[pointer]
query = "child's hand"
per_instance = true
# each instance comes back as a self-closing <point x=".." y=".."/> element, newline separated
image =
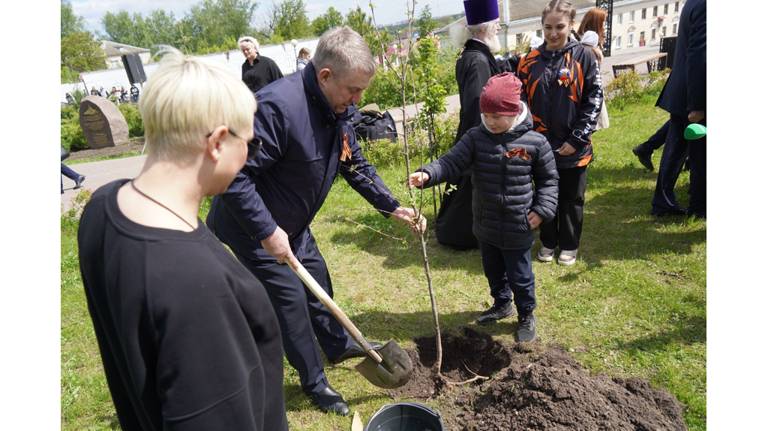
<point x="418" y="179"/>
<point x="534" y="220"/>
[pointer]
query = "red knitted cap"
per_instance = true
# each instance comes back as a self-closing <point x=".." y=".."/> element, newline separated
<point x="501" y="95"/>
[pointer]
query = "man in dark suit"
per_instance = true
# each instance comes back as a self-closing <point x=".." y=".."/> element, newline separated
<point x="264" y="216"/>
<point x="685" y="98"/>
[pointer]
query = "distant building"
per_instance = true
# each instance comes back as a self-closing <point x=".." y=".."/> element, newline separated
<point x="114" y="51"/>
<point x="636" y="23"/>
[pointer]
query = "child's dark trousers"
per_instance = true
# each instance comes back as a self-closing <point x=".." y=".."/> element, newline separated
<point x="510" y="276"/>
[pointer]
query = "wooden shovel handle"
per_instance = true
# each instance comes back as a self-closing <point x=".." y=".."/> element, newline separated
<point x="337" y="312"/>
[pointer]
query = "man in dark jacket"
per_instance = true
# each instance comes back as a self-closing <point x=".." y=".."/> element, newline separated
<point x="265" y="214"/>
<point x="473" y="68"/>
<point x="258" y="70"/>
<point x="685" y="98"/>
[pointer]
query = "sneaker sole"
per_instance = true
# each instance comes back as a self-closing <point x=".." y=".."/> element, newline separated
<point x="566" y="262"/>
<point x="544" y="259"/>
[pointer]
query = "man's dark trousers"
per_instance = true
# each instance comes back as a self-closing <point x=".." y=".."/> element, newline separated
<point x="656" y="140"/>
<point x="672" y="159"/>
<point x="697" y="156"/>
<point x="301" y="315"/>
<point x="510" y="275"/>
<point x="565" y="229"/>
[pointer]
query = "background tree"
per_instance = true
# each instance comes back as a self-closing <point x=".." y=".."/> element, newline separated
<point x="359" y="21"/>
<point x="80" y="52"/>
<point x="214" y="24"/>
<point x="330" y="19"/>
<point x="425" y="23"/>
<point x="290" y="20"/>
<point x="162" y="28"/>
<point x="122" y="27"/>
<point x="70" y="23"/>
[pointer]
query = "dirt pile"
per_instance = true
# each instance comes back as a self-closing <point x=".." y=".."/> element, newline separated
<point x="532" y="387"/>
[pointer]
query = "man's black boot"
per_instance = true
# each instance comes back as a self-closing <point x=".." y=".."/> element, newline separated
<point x="643" y="157"/>
<point x="329" y="401"/>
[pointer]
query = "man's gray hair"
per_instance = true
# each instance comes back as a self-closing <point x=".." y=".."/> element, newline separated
<point x="480" y="29"/>
<point x="343" y="50"/>
<point x="460" y="34"/>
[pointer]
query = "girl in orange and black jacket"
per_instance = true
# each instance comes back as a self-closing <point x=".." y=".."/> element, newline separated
<point x="561" y="83"/>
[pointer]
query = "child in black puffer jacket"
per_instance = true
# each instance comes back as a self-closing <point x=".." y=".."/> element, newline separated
<point x="515" y="185"/>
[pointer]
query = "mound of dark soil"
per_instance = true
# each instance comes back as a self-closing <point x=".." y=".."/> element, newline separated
<point x="532" y="387"/>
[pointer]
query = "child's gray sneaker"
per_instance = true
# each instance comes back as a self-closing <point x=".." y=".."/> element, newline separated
<point x="545" y="254"/>
<point x="567" y="257"/>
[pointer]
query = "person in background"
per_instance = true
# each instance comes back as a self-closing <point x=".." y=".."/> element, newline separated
<point x="265" y="215"/>
<point x="562" y="85"/>
<point x="592" y="34"/>
<point x="134" y="94"/>
<point x="685" y="98"/>
<point x="187" y="336"/>
<point x="303" y="59"/>
<point x="526" y="186"/>
<point x="257" y="70"/>
<point x="453" y="225"/>
<point x="71" y="174"/>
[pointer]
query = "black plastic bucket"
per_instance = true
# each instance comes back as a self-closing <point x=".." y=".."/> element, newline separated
<point x="405" y="417"/>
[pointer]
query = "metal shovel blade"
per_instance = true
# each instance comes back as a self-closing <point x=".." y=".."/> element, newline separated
<point x="395" y="368"/>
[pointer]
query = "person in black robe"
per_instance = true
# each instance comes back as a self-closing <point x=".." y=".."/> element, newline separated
<point x="453" y="226"/>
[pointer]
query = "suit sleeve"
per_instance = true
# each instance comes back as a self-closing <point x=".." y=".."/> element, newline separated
<point x="241" y="197"/>
<point x="362" y="177"/>
<point x="591" y="102"/>
<point x="452" y="164"/>
<point x="697" y="60"/>
<point x="545" y="180"/>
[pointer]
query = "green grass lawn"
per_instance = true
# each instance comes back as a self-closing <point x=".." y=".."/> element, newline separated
<point x="634" y="304"/>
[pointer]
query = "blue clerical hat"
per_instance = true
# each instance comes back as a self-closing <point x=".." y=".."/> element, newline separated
<point x="480" y="11"/>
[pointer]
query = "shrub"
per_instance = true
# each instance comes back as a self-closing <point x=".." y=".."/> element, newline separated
<point x="629" y="88"/>
<point x="384" y="89"/>
<point x="385" y="86"/>
<point x="72" y="137"/>
<point x="384" y="153"/>
<point x="133" y="118"/>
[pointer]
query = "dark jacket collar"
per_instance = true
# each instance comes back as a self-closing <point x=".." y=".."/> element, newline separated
<point x="317" y="98"/>
<point x="475" y="45"/>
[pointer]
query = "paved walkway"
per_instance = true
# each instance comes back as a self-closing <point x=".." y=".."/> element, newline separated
<point x="100" y="173"/>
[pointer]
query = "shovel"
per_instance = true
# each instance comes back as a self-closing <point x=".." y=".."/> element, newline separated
<point x="387" y="367"/>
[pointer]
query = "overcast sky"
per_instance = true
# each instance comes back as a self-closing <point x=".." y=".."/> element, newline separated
<point x="387" y="11"/>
